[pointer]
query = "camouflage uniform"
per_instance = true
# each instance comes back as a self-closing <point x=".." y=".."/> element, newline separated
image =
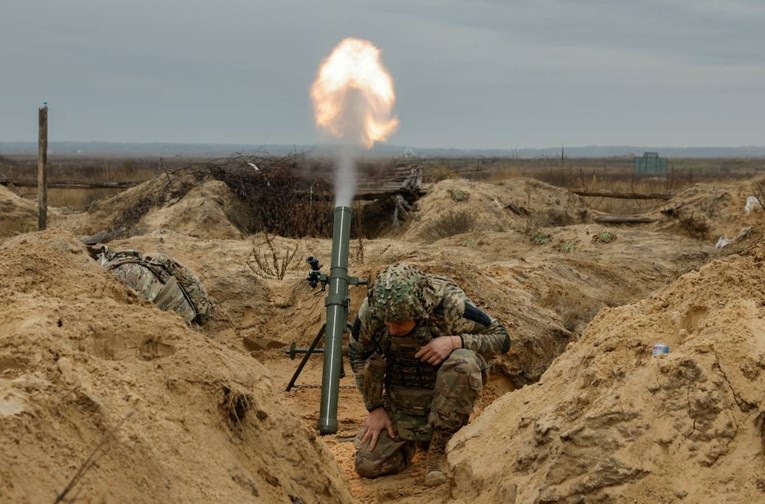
<point x="161" y="280"/>
<point x="418" y="397"/>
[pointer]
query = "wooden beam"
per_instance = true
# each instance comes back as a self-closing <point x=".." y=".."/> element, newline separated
<point x="363" y="195"/>
<point x="623" y="219"/>
<point x="624" y="195"/>
<point x="70" y="185"/>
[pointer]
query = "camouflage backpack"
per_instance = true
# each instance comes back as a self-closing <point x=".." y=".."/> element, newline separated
<point x="160" y="279"/>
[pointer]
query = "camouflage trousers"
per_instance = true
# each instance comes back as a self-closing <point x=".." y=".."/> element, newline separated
<point x="458" y="382"/>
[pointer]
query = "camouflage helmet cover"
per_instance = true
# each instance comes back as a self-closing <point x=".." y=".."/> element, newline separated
<point x="402" y="292"/>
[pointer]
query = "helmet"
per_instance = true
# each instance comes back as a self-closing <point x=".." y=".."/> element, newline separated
<point x="402" y="292"/>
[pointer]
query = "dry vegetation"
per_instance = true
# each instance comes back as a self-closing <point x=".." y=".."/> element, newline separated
<point x="612" y="173"/>
<point x="268" y="260"/>
<point x="449" y="224"/>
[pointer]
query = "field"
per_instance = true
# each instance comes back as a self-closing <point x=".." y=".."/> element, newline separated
<point x="577" y="411"/>
<point x="615" y="173"/>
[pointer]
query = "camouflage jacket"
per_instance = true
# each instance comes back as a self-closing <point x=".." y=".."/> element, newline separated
<point x="160" y="279"/>
<point x="454" y="315"/>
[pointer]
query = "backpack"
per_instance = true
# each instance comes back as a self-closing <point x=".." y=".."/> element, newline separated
<point x="160" y="279"/>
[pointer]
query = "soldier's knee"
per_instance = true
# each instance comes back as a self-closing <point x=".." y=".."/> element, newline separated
<point x="461" y="361"/>
<point x="365" y="468"/>
<point x="460" y="372"/>
<point x="368" y="465"/>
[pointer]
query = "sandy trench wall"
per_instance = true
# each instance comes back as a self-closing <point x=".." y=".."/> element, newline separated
<point x="521" y="293"/>
<point x="489" y="205"/>
<point x="509" y="282"/>
<point x="720" y="206"/>
<point x="17" y="215"/>
<point x="242" y="301"/>
<point x="192" y="420"/>
<point x="543" y="297"/>
<point x="203" y="209"/>
<point x="207" y="211"/>
<point x="609" y="423"/>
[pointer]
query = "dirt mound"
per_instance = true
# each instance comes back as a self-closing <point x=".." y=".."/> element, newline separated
<point x="181" y="201"/>
<point x="17" y="215"/>
<point x="205" y="212"/>
<point x="183" y="417"/>
<point x="458" y="206"/>
<point x="610" y="423"/>
<point x="712" y="211"/>
<point x="218" y="199"/>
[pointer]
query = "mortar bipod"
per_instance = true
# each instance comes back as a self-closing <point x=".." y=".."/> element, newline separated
<point x="294" y="350"/>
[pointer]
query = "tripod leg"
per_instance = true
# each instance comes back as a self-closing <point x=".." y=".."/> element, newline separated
<point x="305" y="357"/>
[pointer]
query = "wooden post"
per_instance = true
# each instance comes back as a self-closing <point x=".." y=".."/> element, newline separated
<point x="624" y="195"/>
<point x="42" y="173"/>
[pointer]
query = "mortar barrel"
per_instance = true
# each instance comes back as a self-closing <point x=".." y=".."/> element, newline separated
<point x="337" y="320"/>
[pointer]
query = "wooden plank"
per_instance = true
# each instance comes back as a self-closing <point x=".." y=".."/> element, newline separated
<point x="362" y="195"/>
<point x="380" y="195"/>
<point x="624" y="195"/>
<point x="623" y="219"/>
<point x="71" y="185"/>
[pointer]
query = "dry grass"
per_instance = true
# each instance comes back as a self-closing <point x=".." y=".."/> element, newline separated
<point x="604" y="237"/>
<point x="575" y="309"/>
<point x="449" y="224"/>
<point x="235" y="404"/>
<point x="93" y="169"/>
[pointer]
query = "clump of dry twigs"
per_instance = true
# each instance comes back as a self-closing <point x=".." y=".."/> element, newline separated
<point x="283" y="200"/>
<point x="270" y="261"/>
<point x="235" y="405"/>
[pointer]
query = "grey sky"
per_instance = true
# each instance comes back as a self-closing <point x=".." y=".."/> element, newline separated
<point x="475" y="74"/>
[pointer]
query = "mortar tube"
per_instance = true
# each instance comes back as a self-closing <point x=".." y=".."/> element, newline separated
<point x="337" y="320"/>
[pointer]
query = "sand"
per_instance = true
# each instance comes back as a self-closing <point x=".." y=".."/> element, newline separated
<point x="185" y="418"/>
<point x="577" y="411"/>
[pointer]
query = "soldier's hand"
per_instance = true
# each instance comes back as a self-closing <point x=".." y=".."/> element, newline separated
<point x="377" y="421"/>
<point x="438" y="349"/>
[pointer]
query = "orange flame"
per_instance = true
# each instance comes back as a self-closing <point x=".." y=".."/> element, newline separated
<point x="353" y="94"/>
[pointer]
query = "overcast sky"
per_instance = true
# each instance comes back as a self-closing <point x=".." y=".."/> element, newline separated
<point x="473" y="74"/>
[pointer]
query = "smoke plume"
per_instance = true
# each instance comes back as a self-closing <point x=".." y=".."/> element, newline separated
<point x="353" y="100"/>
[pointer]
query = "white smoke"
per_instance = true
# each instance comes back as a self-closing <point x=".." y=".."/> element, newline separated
<point x="350" y="124"/>
<point x="345" y="176"/>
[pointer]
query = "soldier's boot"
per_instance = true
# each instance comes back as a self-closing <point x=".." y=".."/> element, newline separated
<point x="435" y="461"/>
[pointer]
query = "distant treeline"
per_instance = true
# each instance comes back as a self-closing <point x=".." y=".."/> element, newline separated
<point x="381" y="150"/>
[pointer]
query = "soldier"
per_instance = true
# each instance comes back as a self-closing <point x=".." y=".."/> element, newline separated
<point x="418" y="350"/>
<point x="160" y="279"/>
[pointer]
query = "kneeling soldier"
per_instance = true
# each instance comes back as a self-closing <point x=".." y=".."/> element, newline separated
<point x="418" y="351"/>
